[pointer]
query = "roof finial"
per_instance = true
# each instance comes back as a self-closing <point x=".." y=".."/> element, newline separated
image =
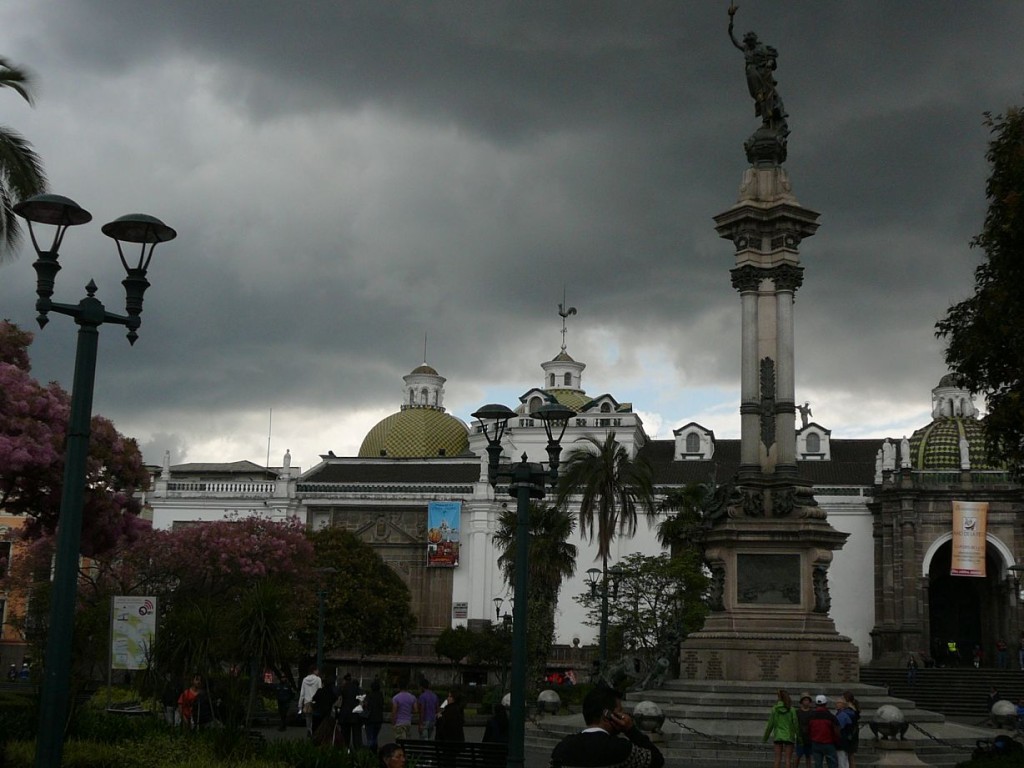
<point x="424" y="347"/>
<point x="564" y="313"/>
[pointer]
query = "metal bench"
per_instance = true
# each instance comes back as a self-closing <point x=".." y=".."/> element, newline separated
<point x="454" y="754"/>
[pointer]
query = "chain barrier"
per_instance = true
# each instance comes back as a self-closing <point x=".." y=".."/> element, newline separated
<point x="943" y="742"/>
<point x="732" y="743"/>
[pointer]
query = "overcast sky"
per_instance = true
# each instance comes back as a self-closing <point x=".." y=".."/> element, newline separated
<point x="345" y="177"/>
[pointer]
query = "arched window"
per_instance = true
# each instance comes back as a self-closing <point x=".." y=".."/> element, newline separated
<point x="552" y="380"/>
<point x="814" y="443"/>
<point x="535" y="403"/>
<point x="424" y="396"/>
<point x="568" y="379"/>
<point x="412" y="397"/>
<point x="693" y="443"/>
<point x="606" y="408"/>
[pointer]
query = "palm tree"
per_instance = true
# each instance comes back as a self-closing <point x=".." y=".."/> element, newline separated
<point x="21" y="170"/>
<point x="612" y="487"/>
<point x="552" y="561"/>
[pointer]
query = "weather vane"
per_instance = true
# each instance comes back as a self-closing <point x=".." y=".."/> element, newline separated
<point x="564" y="313"/>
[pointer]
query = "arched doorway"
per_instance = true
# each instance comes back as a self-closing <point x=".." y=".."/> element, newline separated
<point x="964" y="609"/>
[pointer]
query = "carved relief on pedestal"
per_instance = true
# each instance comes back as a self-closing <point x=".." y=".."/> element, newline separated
<point x="768" y="402"/>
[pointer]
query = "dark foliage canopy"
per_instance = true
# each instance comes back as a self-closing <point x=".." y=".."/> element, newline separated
<point x="984" y="332"/>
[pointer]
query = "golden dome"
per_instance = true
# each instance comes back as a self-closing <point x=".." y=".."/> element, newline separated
<point x="416" y="433"/>
<point x="937" y="446"/>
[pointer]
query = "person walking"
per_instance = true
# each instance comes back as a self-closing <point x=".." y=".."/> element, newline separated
<point x="373" y="713"/>
<point x="783" y="730"/>
<point x="283" y="692"/>
<point x="496" y="730"/>
<point x="310" y="686"/>
<point x="349" y="721"/>
<point x="403" y="708"/>
<point x="429" y="705"/>
<point x="849" y="729"/>
<point x="823" y="729"/>
<point x="803" y="718"/>
<point x="600" y="744"/>
<point x="451" y="719"/>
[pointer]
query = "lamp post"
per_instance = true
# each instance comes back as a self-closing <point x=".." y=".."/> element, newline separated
<point x="526" y="481"/>
<point x="321" y="596"/>
<point x="61" y="213"/>
<point x="594" y="578"/>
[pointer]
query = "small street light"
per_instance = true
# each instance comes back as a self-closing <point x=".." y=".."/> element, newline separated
<point x="598" y="581"/>
<point x="526" y="481"/>
<point x="61" y="213"/>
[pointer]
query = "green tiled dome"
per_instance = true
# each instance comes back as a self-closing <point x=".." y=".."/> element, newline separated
<point x="937" y="446"/>
<point x="416" y="433"/>
<point x="570" y="398"/>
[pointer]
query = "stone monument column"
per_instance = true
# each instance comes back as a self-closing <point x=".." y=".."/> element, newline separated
<point x="767" y="542"/>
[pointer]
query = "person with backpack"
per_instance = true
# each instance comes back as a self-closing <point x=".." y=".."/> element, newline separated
<point x="849" y="730"/>
<point x="783" y="730"/>
<point x="823" y="730"/>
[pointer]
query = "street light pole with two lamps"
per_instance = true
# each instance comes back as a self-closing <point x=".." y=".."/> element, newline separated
<point x="526" y="480"/>
<point x="61" y="213"/>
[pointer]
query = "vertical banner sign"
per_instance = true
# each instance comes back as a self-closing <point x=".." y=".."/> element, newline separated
<point x="443" y="533"/>
<point x="970" y="524"/>
<point x="132" y="630"/>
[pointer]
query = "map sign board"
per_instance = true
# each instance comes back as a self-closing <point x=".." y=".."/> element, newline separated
<point x="133" y="628"/>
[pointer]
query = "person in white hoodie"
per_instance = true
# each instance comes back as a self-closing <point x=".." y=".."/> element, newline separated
<point x="311" y="683"/>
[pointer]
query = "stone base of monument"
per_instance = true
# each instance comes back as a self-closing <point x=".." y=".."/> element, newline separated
<point x="897" y="753"/>
<point x="765" y="656"/>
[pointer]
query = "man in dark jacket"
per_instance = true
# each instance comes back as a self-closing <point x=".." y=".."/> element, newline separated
<point x="823" y="729"/>
<point x="599" y="744"/>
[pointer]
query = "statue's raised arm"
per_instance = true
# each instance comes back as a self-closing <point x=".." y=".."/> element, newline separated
<point x="732" y="12"/>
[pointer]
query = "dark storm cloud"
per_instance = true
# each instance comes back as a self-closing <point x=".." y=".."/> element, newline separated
<point x="348" y="175"/>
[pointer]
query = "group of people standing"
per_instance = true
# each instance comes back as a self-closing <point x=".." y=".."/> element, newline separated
<point x="347" y="717"/>
<point x="813" y="732"/>
<point x="341" y="714"/>
<point x="436" y="719"/>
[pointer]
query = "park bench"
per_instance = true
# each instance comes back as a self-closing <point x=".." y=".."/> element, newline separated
<point x="453" y="754"/>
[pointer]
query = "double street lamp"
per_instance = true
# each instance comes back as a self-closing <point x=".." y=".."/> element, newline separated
<point x="526" y="480"/>
<point x="61" y="213"/>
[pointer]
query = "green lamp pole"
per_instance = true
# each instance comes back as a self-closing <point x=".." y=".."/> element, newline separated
<point x="527" y="481"/>
<point x="89" y="314"/>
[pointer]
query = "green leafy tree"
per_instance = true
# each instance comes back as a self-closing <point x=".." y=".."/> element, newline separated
<point x="683" y="529"/>
<point x="368" y="606"/>
<point x="985" y="344"/>
<point x="21" y="170"/>
<point x="455" y="644"/>
<point x="552" y="560"/>
<point x="654" y="603"/>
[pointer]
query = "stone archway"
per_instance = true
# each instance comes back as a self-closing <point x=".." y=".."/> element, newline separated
<point x="966" y="610"/>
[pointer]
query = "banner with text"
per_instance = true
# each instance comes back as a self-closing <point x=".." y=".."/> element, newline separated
<point x="443" y="519"/>
<point x="133" y="628"/>
<point x="970" y="524"/>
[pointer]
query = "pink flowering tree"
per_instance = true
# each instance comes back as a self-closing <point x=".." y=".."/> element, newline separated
<point x="33" y="434"/>
<point x="233" y="594"/>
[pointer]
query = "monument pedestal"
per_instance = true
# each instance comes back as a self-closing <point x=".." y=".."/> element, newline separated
<point x="769" y="594"/>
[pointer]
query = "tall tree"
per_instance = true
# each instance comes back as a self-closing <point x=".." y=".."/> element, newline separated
<point x="612" y="486"/>
<point x="368" y="606"/>
<point x="21" y="170"/>
<point x="552" y="560"/>
<point x="33" y="435"/>
<point x="985" y="344"/>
